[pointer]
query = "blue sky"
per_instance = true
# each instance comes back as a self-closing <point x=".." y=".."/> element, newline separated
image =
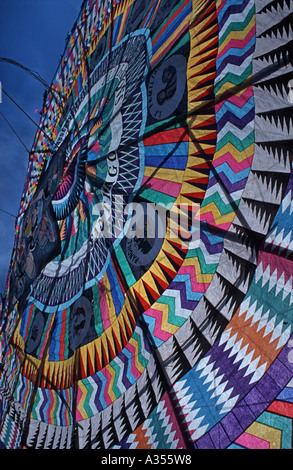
<point x="32" y="32"/>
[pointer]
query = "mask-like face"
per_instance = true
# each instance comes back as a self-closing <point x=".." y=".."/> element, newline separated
<point x="103" y="166"/>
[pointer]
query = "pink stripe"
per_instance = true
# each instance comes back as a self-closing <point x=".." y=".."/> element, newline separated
<point x="173" y="421"/>
<point x="233" y="164"/>
<point x="133" y="352"/>
<point x="29" y="321"/>
<point x="238" y="43"/>
<point x="66" y="413"/>
<point x="153" y="62"/>
<point x="220" y="5"/>
<point x="163" y="186"/>
<point x="147" y="15"/>
<point x="62" y="335"/>
<point x="158" y="332"/>
<point x="195" y="285"/>
<point x="50" y="408"/>
<point x="238" y="100"/>
<point x="108" y="380"/>
<point x="46" y="336"/>
<point x="15" y="435"/>
<point x="252" y="442"/>
<point x="79" y="417"/>
<point x="275" y="261"/>
<point x="209" y="217"/>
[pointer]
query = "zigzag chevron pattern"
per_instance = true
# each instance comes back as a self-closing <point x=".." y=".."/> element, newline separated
<point x="160" y="432"/>
<point x="10" y="435"/>
<point x="228" y="155"/>
<point x="217" y="209"/>
<point x="228" y="108"/>
<point x="251" y="343"/>
<point x="266" y="329"/>
<point x="247" y="231"/>
<point x="273" y="428"/>
<point x="175" y="345"/>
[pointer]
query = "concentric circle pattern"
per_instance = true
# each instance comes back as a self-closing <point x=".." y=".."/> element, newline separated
<point x="149" y="298"/>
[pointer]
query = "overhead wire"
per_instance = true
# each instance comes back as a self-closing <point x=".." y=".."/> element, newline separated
<point x="28" y="116"/>
<point x="14" y="131"/>
<point x="9" y="213"/>
<point x="55" y="147"/>
<point x="31" y="72"/>
<point x="35" y="74"/>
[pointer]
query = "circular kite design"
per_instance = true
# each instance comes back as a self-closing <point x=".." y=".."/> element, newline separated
<point x="150" y="289"/>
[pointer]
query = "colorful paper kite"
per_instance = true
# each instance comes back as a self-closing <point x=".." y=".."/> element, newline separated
<point x="149" y="297"/>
